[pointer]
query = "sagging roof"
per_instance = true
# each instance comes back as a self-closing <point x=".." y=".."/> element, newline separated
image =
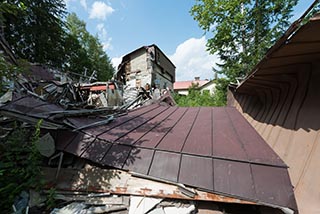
<point x="299" y="45"/>
<point x="281" y="99"/>
<point x="212" y="149"/>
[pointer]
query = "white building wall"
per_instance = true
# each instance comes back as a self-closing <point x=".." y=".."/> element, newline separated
<point x="210" y="87"/>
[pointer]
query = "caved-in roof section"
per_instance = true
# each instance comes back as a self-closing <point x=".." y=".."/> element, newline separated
<point x="210" y="148"/>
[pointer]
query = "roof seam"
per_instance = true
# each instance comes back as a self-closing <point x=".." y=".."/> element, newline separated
<point x="156" y="146"/>
<point x="176" y="108"/>
<point x="124" y="134"/>
<point x="237" y="134"/>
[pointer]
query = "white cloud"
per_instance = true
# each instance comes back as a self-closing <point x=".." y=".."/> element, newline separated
<point x="100" y="10"/>
<point x="116" y="61"/>
<point x="192" y="60"/>
<point x="103" y="36"/>
<point x="84" y="4"/>
<point x="106" y="44"/>
<point x="67" y="2"/>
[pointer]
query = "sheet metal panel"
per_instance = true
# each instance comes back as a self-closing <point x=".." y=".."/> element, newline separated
<point x="124" y="129"/>
<point x="24" y="104"/>
<point x="62" y="138"/>
<point x="225" y="139"/>
<point x="116" y="156"/>
<point x="196" y="171"/>
<point x="154" y="137"/>
<point x="79" y="144"/>
<point x="199" y="140"/>
<point x="176" y="138"/>
<point x="45" y="108"/>
<point x="233" y="178"/>
<point x="96" y="150"/>
<point x="255" y="147"/>
<point x="165" y="165"/>
<point x="133" y="136"/>
<point x="272" y="185"/>
<point x="120" y="120"/>
<point x="139" y="160"/>
<point x="82" y="121"/>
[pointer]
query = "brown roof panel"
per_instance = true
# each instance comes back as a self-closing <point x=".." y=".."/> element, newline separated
<point x="170" y="143"/>
<point x="136" y="134"/>
<point x="119" y="131"/>
<point x="79" y="144"/>
<point x="116" y="156"/>
<point x="175" y="139"/>
<point x="154" y="137"/>
<point x="256" y="148"/>
<point x="226" y="142"/>
<point x="120" y="120"/>
<point x="96" y="150"/>
<point x="63" y="138"/>
<point x="199" y="140"/>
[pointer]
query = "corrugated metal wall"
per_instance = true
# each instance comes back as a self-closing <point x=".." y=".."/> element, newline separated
<point x="283" y="105"/>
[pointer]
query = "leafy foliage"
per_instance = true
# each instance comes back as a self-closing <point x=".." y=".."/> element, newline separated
<point x="89" y="51"/>
<point x="37" y="32"/>
<point x="19" y="165"/>
<point x="242" y="30"/>
<point x="197" y="98"/>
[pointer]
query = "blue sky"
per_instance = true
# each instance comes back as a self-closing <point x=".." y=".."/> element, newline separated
<point x="125" y="25"/>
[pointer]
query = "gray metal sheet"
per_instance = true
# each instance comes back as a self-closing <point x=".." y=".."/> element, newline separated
<point x="139" y="160"/>
<point x="165" y="165"/>
<point x="273" y="185"/>
<point x="233" y="178"/>
<point x="196" y="171"/>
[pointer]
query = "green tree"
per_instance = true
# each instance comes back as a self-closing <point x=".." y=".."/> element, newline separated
<point x="36" y="31"/>
<point x="91" y="55"/>
<point x="242" y="30"/>
<point x="197" y="98"/>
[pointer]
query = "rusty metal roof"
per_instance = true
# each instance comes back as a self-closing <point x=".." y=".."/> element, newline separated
<point x="210" y="148"/>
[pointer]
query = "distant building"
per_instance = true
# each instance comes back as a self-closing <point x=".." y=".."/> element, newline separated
<point x="147" y="65"/>
<point x="182" y="87"/>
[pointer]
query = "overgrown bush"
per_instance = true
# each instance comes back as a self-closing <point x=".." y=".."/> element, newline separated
<point x="19" y="165"/>
<point x="197" y="98"/>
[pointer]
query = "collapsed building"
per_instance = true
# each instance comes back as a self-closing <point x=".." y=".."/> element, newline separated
<point x="147" y="65"/>
<point x="259" y="155"/>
